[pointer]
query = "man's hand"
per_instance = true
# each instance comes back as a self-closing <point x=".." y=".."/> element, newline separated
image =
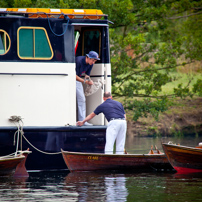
<point x="89" y="117"/>
<point x="90" y="82"/>
<point x="79" y="123"/>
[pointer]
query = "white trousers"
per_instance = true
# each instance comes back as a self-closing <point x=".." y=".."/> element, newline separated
<point x="81" y="101"/>
<point x="116" y="130"/>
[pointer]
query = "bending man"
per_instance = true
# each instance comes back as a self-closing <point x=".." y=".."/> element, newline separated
<point x="84" y="65"/>
<point x="116" y="129"/>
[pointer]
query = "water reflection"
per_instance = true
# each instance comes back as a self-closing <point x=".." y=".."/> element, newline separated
<point x="97" y="186"/>
<point x="116" y="188"/>
<point x="12" y="188"/>
<point x="184" y="187"/>
<point x="88" y="186"/>
<point x="142" y="145"/>
<point x="188" y="176"/>
<point x="39" y="186"/>
<point x="54" y="142"/>
<point x="102" y="186"/>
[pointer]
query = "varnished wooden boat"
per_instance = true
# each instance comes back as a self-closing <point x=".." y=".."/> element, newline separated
<point x="21" y="170"/>
<point x="77" y="161"/>
<point x="184" y="159"/>
<point x="9" y="163"/>
<point x="14" y="164"/>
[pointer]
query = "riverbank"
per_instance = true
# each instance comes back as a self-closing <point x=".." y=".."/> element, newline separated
<point x="185" y="117"/>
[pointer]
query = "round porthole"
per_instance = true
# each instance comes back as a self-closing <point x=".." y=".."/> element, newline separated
<point x="5" y="42"/>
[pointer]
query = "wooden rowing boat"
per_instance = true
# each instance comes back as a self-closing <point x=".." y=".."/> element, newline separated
<point x="9" y="163"/>
<point x="21" y="170"/>
<point x="184" y="159"/>
<point x="14" y="164"/>
<point x="77" y="161"/>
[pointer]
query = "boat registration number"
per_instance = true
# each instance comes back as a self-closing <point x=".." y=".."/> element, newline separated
<point x="92" y="157"/>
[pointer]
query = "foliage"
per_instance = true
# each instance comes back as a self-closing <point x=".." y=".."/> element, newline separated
<point x="147" y="106"/>
<point x="198" y="87"/>
<point x="22" y="3"/>
<point x="162" y="36"/>
<point x="149" y="41"/>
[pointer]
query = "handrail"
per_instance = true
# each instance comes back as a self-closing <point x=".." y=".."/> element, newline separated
<point x="35" y="74"/>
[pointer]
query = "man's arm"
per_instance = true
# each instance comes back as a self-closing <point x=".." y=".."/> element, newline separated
<point x="79" y="79"/>
<point x="89" y="117"/>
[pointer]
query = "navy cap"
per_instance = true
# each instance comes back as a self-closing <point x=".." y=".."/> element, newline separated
<point x="93" y="55"/>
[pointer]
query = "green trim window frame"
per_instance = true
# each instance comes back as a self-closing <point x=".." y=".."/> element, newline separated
<point x="34" y="43"/>
<point x="5" y="42"/>
<point x="91" y="41"/>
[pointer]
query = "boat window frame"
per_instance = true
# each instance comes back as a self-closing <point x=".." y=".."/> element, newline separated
<point x="34" y="57"/>
<point x="100" y="39"/>
<point x="78" y="39"/>
<point x="9" y="39"/>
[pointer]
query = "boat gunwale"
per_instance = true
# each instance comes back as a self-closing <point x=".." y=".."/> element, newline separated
<point x="183" y="147"/>
<point x="9" y="158"/>
<point x="111" y="155"/>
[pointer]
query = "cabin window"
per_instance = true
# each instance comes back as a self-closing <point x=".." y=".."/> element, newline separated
<point x="34" y="43"/>
<point x="91" y="41"/>
<point x="5" y="42"/>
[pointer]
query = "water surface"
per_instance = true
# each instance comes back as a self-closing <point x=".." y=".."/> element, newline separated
<point x="88" y="186"/>
<point x="108" y="186"/>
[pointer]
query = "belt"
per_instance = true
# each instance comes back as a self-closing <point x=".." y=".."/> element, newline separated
<point x="117" y="119"/>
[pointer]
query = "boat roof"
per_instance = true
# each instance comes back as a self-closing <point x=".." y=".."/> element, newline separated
<point x="92" y="14"/>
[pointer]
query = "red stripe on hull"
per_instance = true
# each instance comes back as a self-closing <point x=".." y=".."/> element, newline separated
<point x="182" y="170"/>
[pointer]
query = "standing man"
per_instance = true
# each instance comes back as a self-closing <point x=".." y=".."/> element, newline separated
<point x="84" y="65"/>
<point x="116" y="129"/>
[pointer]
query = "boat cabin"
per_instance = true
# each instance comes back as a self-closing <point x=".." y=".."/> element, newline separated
<point x="38" y="48"/>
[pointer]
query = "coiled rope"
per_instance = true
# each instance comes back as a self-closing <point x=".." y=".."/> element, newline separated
<point x="18" y="120"/>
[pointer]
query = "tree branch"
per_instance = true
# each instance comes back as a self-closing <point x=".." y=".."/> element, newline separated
<point x="144" y="95"/>
<point x="137" y="72"/>
<point x="184" y="16"/>
<point x="197" y="8"/>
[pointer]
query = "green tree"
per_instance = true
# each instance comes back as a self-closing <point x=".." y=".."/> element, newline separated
<point x="22" y="3"/>
<point x="6" y="4"/>
<point x="149" y="40"/>
<point x="51" y="4"/>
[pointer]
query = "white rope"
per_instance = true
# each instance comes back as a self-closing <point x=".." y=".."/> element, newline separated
<point x="14" y="154"/>
<point x="18" y="137"/>
<point x="8" y="156"/>
<point x="39" y="149"/>
<point x="17" y="119"/>
<point x="20" y="131"/>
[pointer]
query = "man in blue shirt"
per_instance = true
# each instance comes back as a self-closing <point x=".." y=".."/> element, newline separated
<point x="116" y="128"/>
<point x="84" y="65"/>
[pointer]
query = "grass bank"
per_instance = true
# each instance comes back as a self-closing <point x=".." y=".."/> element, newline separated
<point x="183" y="117"/>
